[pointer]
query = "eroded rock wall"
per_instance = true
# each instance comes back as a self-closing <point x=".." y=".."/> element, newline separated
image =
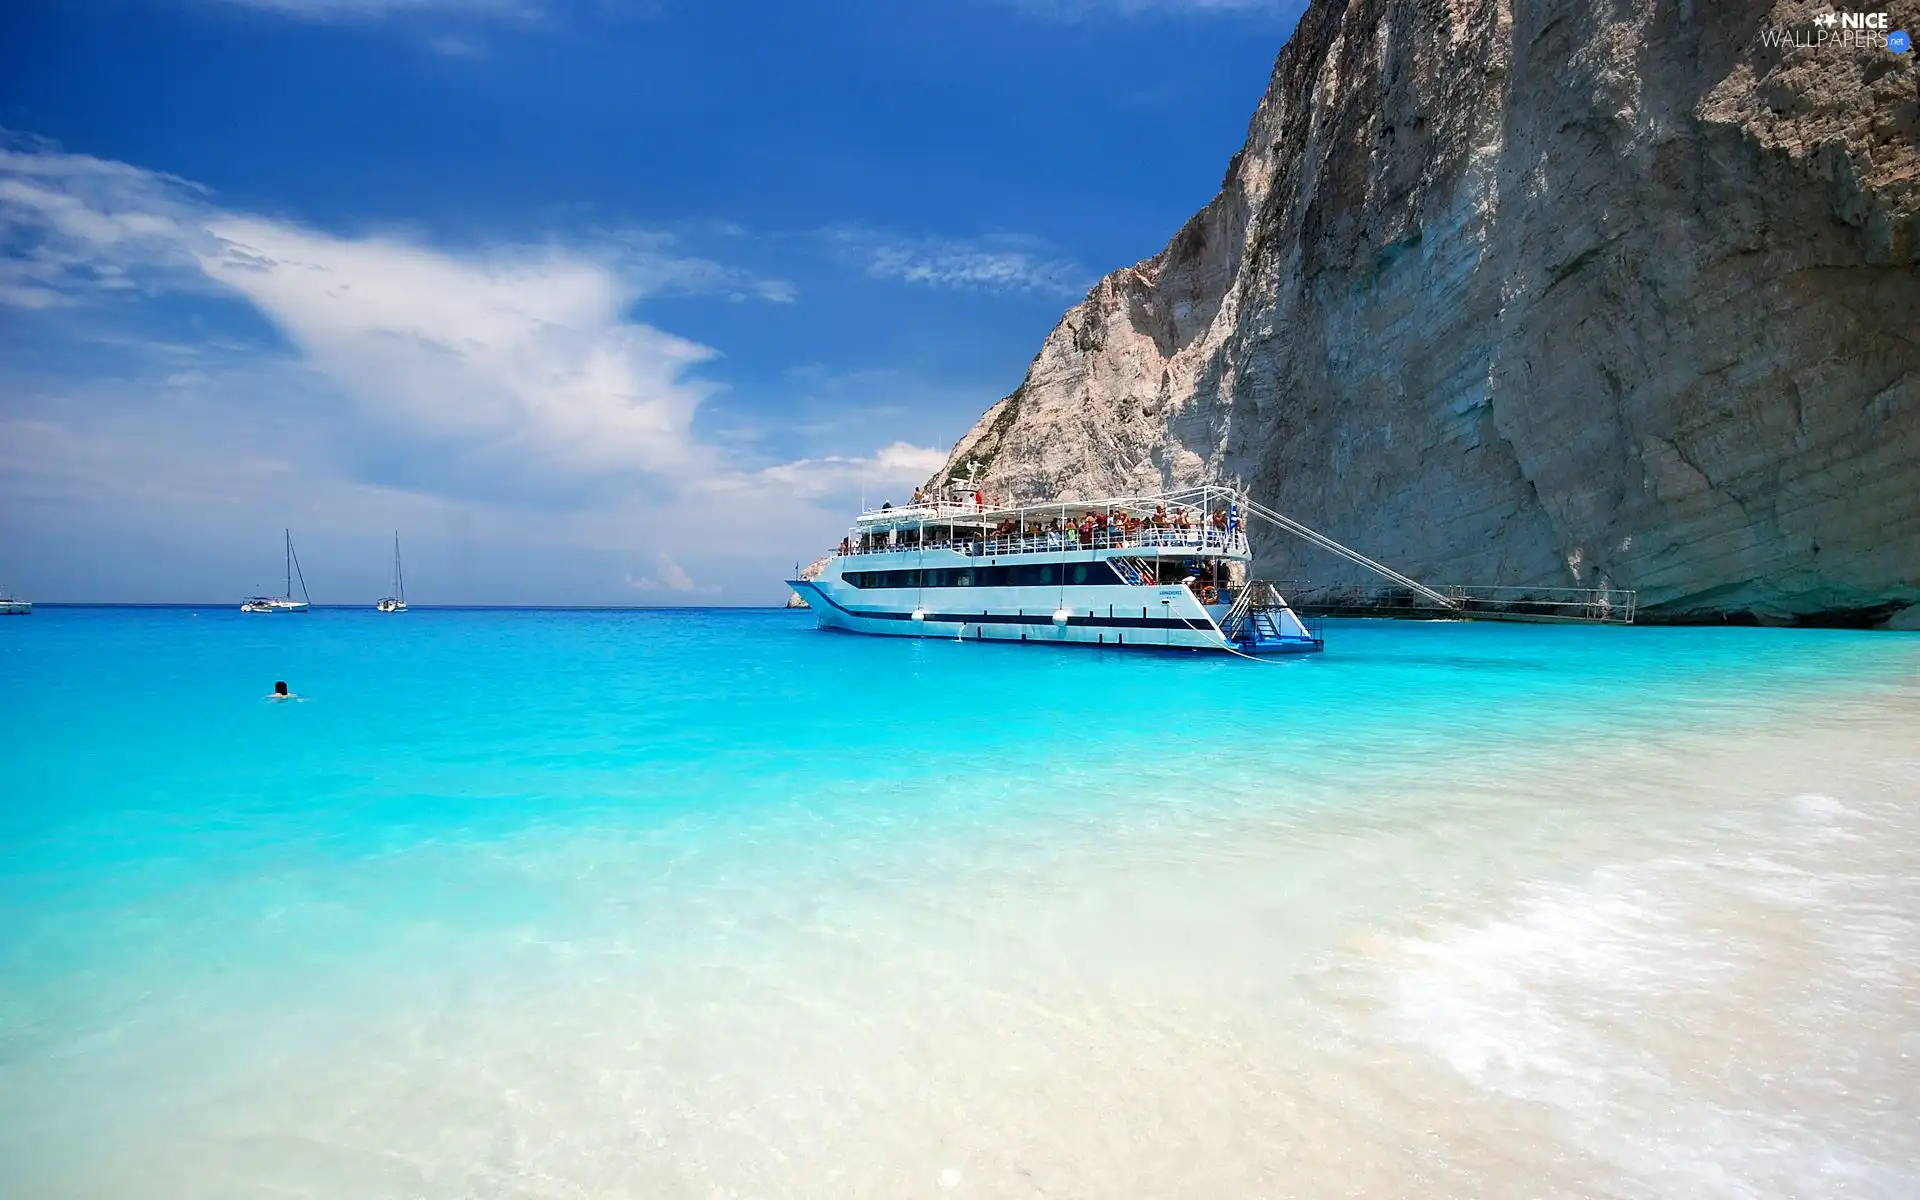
<point x="1555" y="292"/>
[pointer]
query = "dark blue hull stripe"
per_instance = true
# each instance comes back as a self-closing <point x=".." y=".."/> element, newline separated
<point x="1016" y="618"/>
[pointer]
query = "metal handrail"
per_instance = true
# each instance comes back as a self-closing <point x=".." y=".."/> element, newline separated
<point x="1258" y="595"/>
<point x="1236" y="616"/>
<point x="1611" y="605"/>
<point x="1053" y="543"/>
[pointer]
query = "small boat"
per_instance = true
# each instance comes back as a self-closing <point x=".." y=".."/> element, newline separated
<point x="396" y="603"/>
<point x="1164" y="571"/>
<point x="286" y="603"/>
<point x="13" y="606"/>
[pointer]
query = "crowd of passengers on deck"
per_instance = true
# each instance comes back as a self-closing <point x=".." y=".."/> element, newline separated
<point x="1206" y="578"/>
<point x="1095" y="530"/>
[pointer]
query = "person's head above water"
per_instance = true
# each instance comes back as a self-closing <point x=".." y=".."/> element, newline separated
<point x="280" y="687"/>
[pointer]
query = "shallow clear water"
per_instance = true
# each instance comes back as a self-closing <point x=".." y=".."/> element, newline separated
<point x="710" y="903"/>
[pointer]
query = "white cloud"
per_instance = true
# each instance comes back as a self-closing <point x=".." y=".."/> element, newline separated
<point x="1001" y="263"/>
<point x="521" y="360"/>
<point x="506" y="366"/>
<point x="507" y="387"/>
<point x="671" y="577"/>
<point x="73" y="225"/>
<point x="897" y="465"/>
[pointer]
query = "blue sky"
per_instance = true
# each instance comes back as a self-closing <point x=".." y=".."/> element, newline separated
<point x="597" y="302"/>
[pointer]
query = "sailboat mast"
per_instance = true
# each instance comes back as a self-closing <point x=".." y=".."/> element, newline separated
<point x="399" y="579"/>
<point x="293" y="569"/>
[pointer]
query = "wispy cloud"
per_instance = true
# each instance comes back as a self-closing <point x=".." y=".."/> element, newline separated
<point x="659" y="266"/>
<point x="73" y="226"/>
<point x="519" y="360"/>
<point x="672" y="577"/>
<point x="1084" y="10"/>
<point x="513" y="361"/>
<point x="460" y="29"/>
<point x="510" y="381"/>
<point x="996" y="263"/>
<point x="449" y="46"/>
<point x="895" y="465"/>
<point x="352" y="10"/>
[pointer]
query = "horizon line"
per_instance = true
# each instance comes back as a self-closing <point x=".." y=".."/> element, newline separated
<point x="414" y="607"/>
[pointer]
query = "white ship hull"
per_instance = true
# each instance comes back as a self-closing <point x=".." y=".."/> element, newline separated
<point x="1140" y="616"/>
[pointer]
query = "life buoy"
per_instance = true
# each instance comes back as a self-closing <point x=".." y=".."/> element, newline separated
<point x="1209" y="595"/>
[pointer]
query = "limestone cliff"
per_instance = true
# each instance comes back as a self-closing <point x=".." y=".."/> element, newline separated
<point x="810" y="571"/>
<point x="1571" y="291"/>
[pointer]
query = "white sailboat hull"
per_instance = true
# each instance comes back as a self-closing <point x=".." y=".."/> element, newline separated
<point x="274" y="606"/>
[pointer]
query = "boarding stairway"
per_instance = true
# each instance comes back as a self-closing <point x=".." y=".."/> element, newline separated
<point x="1256" y="623"/>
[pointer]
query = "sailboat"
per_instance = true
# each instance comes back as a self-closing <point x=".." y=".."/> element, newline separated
<point x="286" y="603"/>
<point x="398" y="601"/>
<point x="12" y="606"/>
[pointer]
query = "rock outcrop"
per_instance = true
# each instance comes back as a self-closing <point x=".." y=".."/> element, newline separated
<point x="810" y="571"/>
<point x="1588" y="292"/>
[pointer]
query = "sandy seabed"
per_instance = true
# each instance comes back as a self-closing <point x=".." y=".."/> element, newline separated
<point x="1681" y="965"/>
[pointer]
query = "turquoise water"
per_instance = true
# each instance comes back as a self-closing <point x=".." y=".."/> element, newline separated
<point x="538" y="830"/>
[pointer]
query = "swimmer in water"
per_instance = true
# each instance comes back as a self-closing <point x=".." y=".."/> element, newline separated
<point x="280" y="691"/>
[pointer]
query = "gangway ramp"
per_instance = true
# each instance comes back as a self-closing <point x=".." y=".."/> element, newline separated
<point x="1403" y="596"/>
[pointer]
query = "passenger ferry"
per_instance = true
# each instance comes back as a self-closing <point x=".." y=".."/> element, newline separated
<point x="1166" y="571"/>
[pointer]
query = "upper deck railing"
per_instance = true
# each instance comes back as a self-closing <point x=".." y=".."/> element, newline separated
<point x="978" y="509"/>
<point x="1194" y="540"/>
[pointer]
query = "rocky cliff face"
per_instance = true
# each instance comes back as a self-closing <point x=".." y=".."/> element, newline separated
<point x="1570" y="291"/>
<point x="811" y="571"/>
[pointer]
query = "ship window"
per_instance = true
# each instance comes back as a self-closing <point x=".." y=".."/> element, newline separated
<point x="963" y="579"/>
<point x="1080" y="574"/>
<point x="1046" y="575"/>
